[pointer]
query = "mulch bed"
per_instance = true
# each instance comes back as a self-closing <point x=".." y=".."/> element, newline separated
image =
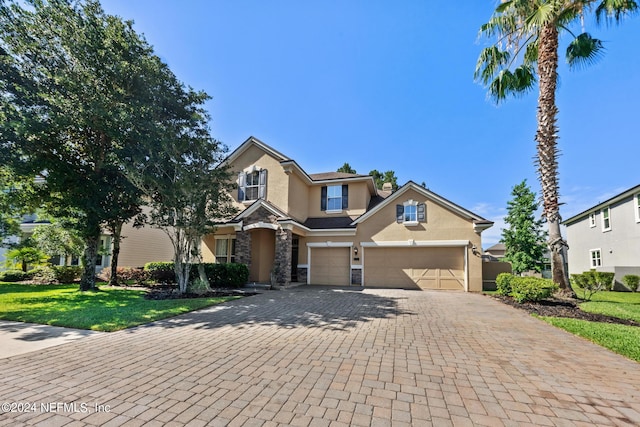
<point x="560" y="307"/>
<point x="162" y="292"/>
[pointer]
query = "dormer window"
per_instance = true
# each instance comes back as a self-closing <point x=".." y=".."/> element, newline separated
<point x="411" y="213"/>
<point x="252" y="185"/>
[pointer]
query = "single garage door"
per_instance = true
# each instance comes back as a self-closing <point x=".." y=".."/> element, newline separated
<point x="424" y="268"/>
<point x="330" y="266"/>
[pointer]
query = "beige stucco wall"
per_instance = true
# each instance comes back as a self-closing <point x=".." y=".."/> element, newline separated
<point x="298" y="198"/>
<point x="142" y="245"/>
<point x="277" y="179"/>
<point x="358" y="200"/>
<point x="263" y="245"/>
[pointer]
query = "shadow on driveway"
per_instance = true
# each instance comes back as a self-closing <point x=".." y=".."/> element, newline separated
<point x="330" y="308"/>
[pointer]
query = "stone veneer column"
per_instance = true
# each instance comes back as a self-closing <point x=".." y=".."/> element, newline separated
<point x="243" y="248"/>
<point x="282" y="261"/>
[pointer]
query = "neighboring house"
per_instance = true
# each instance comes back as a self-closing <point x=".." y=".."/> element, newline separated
<point x="495" y="252"/>
<point x="338" y="229"/>
<point x="606" y="237"/>
<point x="138" y="245"/>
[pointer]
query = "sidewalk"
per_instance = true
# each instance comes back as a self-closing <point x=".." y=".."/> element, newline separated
<point x="19" y="338"/>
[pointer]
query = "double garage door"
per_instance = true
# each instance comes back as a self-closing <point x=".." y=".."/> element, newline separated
<point x="392" y="267"/>
<point x="418" y="267"/>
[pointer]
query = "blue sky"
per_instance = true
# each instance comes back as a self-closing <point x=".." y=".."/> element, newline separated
<point x="389" y="86"/>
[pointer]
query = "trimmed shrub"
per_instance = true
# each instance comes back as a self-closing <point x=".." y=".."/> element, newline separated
<point x="631" y="281"/>
<point x="531" y="289"/>
<point x="129" y="274"/>
<point x="605" y="279"/>
<point x="591" y="282"/>
<point x="43" y="275"/>
<point x="160" y="272"/>
<point x="503" y="283"/>
<point x="67" y="273"/>
<point x="13" y="276"/>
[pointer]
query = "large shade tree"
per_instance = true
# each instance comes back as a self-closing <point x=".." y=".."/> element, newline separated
<point x="79" y="89"/>
<point x="526" y="35"/>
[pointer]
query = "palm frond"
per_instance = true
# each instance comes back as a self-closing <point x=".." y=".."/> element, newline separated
<point x="490" y="61"/>
<point x="516" y="83"/>
<point x="615" y="10"/>
<point x="544" y="14"/>
<point x="584" y="50"/>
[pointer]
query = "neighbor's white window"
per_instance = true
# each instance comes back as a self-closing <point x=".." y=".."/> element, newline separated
<point x="592" y="219"/>
<point x="225" y="250"/>
<point x="596" y="258"/>
<point x="606" y="219"/>
<point x="410" y="213"/>
<point x="636" y="198"/>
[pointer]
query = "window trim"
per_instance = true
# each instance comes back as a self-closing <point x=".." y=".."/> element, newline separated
<point x="606" y="217"/>
<point x="344" y="198"/>
<point x="592" y="219"/>
<point x="420" y="213"/>
<point x="261" y="192"/>
<point x="592" y="252"/>
<point x="230" y="247"/>
<point x="636" y="201"/>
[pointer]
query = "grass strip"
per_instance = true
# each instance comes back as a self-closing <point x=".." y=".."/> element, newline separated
<point x="621" y="339"/>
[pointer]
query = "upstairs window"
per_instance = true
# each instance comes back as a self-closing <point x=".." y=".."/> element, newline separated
<point x="252" y="185"/>
<point x="411" y="213"/>
<point x="606" y="219"/>
<point x="636" y="199"/>
<point x="334" y="198"/>
<point x="592" y="219"/>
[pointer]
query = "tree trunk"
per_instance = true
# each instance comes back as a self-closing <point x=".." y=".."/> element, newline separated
<point x="89" y="257"/>
<point x="547" y="162"/>
<point x="116" y="233"/>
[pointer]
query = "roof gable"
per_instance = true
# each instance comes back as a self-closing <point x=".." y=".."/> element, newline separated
<point x="255" y="142"/>
<point x="617" y="198"/>
<point x="429" y="195"/>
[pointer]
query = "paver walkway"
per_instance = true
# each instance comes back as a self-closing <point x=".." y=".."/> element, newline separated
<point x="329" y="357"/>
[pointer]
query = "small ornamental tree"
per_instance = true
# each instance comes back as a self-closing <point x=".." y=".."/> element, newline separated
<point x="523" y="238"/>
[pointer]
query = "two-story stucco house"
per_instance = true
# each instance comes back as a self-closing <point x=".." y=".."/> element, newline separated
<point x="338" y="229"/>
<point x="606" y="237"/>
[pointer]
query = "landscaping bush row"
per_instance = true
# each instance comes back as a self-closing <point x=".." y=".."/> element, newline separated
<point x="220" y="275"/>
<point x="45" y="274"/>
<point x="524" y="289"/>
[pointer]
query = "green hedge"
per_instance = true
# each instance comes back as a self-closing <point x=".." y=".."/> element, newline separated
<point x="57" y="273"/>
<point x="503" y="283"/>
<point x="631" y="281"/>
<point x="219" y="275"/>
<point x="531" y="289"/>
<point x="13" y="276"/>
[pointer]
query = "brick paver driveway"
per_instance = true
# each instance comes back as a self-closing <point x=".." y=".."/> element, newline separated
<point x="320" y="357"/>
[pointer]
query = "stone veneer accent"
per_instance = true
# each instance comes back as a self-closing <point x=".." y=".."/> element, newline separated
<point x="302" y="275"/>
<point x="282" y="261"/>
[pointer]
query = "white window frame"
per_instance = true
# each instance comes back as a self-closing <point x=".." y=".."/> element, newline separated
<point x="414" y="221"/>
<point x="252" y="187"/>
<point x="330" y="197"/>
<point x="636" y="202"/>
<point x="606" y="217"/>
<point x="592" y="219"/>
<point x="595" y="261"/>
<point x="230" y="256"/>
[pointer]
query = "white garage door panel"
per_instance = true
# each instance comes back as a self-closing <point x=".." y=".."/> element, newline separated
<point x="330" y="266"/>
<point x="424" y="268"/>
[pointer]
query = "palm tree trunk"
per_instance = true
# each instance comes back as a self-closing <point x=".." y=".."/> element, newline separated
<point x="546" y="138"/>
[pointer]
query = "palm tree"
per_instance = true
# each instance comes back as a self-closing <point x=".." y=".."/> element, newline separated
<point x="526" y="34"/>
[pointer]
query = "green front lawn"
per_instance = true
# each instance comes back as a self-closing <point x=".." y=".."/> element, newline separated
<point x="105" y="310"/>
<point x="621" y="339"/>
